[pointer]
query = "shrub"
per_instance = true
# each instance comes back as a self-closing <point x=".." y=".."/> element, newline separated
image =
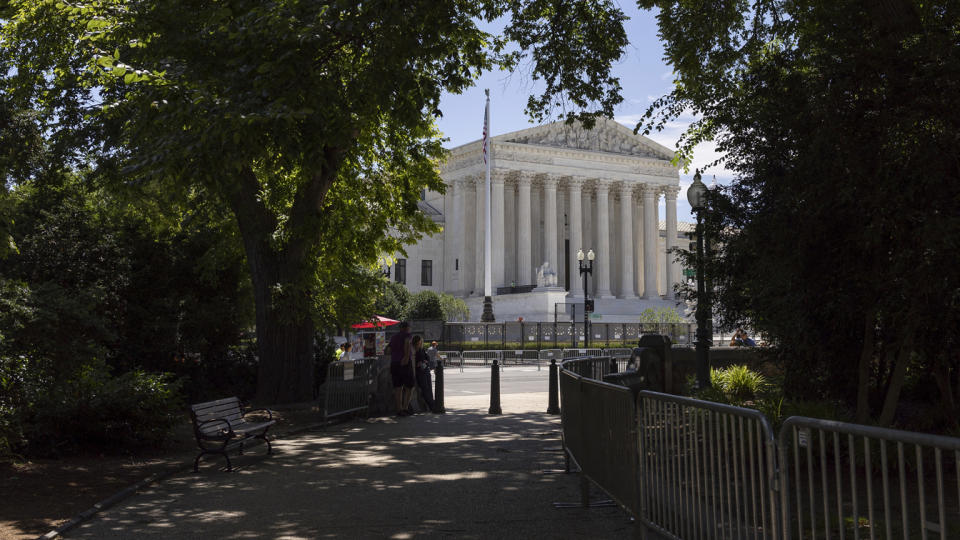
<point x="96" y="410"/>
<point x="739" y="382"/>
<point x="734" y="385"/>
<point x="425" y="306"/>
<point x="454" y="309"/>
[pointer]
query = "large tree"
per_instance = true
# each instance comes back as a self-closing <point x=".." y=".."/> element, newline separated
<point x="312" y="121"/>
<point x="838" y="238"/>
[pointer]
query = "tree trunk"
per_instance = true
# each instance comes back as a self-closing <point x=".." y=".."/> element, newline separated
<point x="896" y="380"/>
<point x="941" y="373"/>
<point x="863" y="368"/>
<point x="284" y="334"/>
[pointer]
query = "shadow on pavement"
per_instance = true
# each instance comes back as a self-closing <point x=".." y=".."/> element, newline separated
<point x="460" y="475"/>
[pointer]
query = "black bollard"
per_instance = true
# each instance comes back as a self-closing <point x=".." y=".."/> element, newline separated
<point x="554" y="406"/>
<point x="438" y="389"/>
<point x="495" y="389"/>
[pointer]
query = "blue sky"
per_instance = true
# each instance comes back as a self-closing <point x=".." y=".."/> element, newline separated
<point x="644" y="77"/>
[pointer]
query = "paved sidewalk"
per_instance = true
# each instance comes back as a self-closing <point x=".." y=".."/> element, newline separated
<point x="464" y="474"/>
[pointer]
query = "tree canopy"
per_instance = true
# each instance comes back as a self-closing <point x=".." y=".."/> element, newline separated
<point x="312" y="121"/>
<point x="837" y="239"/>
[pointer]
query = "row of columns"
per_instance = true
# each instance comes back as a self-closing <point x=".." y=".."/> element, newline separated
<point x="574" y="185"/>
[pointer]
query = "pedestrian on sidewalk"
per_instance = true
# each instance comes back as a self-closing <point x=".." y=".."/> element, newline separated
<point x="423" y="375"/>
<point x="433" y="353"/>
<point x="401" y="369"/>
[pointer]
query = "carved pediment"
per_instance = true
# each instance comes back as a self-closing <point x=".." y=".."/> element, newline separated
<point x="606" y="136"/>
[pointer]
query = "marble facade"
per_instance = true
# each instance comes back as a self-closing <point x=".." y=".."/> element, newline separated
<point x="555" y="189"/>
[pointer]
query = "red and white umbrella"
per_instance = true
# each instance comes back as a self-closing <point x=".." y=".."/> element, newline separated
<point x="378" y="322"/>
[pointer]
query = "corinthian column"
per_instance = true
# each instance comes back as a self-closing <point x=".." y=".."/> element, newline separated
<point x="524" y="247"/>
<point x="602" y="220"/>
<point x="481" y="184"/>
<point x="626" y="241"/>
<point x="650" y="241"/>
<point x="498" y="250"/>
<point x="550" y="220"/>
<point x="574" y="192"/>
<point x="670" y="195"/>
<point x="453" y="220"/>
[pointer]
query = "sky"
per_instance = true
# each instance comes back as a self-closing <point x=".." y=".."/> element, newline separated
<point x="644" y="77"/>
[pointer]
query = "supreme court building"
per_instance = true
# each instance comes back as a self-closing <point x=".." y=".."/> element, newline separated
<point x="555" y="189"/>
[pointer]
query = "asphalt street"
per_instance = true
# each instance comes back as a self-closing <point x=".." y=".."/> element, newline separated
<point x="475" y="381"/>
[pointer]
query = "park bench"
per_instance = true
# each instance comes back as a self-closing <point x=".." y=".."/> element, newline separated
<point x="220" y="426"/>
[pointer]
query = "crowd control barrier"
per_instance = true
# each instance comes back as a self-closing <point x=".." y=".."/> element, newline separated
<point x="348" y="386"/>
<point x="691" y="469"/>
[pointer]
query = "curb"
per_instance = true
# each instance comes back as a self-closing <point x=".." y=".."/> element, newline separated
<point x="153" y="478"/>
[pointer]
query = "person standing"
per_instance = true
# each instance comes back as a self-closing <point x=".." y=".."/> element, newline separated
<point x="423" y="373"/>
<point x="345" y="353"/>
<point x="433" y="353"/>
<point x="401" y="368"/>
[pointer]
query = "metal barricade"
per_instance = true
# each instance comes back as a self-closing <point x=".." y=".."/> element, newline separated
<point x="599" y="434"/>
<point x="708" y="470"/>
<point x="576" y="353"/>
<point x="622" y="356"/>
<point x="550" y="354"/>
<point x="348" y="386"/>
<point x="481" y="358"/>
<point x="452" y="359"/>
<point x="531" y="357"/>
<point x="854" y="481"/>
<point x="594" y="367"/>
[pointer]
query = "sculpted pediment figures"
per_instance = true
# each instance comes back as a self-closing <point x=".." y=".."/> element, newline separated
<point x="606" y="136"/>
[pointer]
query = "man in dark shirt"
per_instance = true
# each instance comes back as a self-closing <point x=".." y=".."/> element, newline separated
<point x="401" y="368"/>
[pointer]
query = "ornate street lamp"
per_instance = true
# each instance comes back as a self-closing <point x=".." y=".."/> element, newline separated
<point x="697" y="196"/>
<point x="587" y="302"/>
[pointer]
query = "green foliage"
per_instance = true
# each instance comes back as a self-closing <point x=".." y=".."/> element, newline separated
<point x="738" y="382"/>
<point x="93" y="409"/>
<point x="393" y="302"/>
<point x="100" y="299"/>
<point x="280" y="112"/>
<point x="454" y="309"/>
<point x="425" y="305"/>
<point x="666" y="315"/>
<point x="833" y="243"/>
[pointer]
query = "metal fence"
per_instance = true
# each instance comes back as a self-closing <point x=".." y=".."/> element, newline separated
<point x="348" y="386"/>
<point x="708" y="470"/>
<point x="599" y="431"/>
<point x="713" y="471"/>
<point x="539" y="358"/>
<point x="853" y="481"/>
<point x="554" y="335"/>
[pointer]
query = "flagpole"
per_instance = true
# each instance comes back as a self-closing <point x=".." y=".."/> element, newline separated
<point x="487" y="315"/>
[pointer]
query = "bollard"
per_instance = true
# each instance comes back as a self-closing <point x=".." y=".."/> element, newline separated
<point x="613" y="365"/>
<point x="554" y="405"/>
<point x="495" y="389"/>
<point x="438" y="389"/>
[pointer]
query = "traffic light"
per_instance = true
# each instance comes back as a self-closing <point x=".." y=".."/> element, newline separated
<point x="588" y="305"/>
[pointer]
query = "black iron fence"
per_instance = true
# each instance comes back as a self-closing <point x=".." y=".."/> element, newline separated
<point x="521" y="335"/>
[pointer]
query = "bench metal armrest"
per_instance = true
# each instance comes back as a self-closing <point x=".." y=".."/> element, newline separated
<point x="229" y="432"/>
<point x="268" y="411"/>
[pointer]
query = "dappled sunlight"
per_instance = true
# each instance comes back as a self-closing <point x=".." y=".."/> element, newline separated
<point x="469" y="475"/>
<point x="465" y="474"/>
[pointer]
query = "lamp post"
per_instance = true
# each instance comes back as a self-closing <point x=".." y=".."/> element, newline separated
<point x="587" y="302"/>
<point x="385" y="267"/>
<point x="697" y="195"/>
